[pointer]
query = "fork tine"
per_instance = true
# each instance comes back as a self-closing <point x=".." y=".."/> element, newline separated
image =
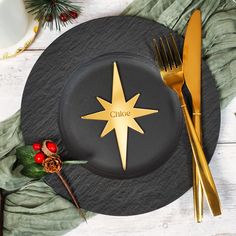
<point x="158" y="58"/>
<point x="177" y="57"/>
<point x="164" y="54"/>
<point x="170" y="54"/>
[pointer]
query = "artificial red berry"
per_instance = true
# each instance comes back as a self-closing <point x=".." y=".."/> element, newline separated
<point x="49" y="18"/>
<point x="52" y="147"/>
<point x="39" y="157"/>
<point x="73" y="14"/>
<point x="63" y="17"/>
<point x="37" y="146"/>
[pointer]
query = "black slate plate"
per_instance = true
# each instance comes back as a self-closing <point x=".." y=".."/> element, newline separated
<point x="40" y="112"/>
<point x="145" y="152"/>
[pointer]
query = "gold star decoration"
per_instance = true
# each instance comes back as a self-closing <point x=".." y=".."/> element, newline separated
<point x="120" y="115"/>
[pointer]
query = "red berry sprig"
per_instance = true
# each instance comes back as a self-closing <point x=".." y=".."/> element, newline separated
<point x="52" y="147"/>
<point x="47" y="156"/>
<point x="64" y="17"/>
<point x="37" y="146"/>
<point x="73" y="14"/>
<point x="48" y="148"/>
<point x="49" y="18"/>
<point x="39" y="157"/>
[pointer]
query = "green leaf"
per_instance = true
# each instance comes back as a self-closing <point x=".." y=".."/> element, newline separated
<point x="25" y="155"/>
<point x="34" y="171"/>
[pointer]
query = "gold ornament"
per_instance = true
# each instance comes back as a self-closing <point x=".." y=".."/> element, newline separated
<point x="120" y="115"/>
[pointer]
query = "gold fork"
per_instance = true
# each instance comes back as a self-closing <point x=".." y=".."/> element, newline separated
<point x="171" y="70"/>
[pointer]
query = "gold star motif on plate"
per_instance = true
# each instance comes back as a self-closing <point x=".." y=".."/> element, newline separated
<point x="120" y="115"/>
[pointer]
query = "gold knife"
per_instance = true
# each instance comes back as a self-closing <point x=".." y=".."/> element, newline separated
<point x="192" y="74"/>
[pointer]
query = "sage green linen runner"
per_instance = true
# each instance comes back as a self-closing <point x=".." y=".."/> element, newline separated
<point x="35" y="209"/>
<point x="219" y="33"/>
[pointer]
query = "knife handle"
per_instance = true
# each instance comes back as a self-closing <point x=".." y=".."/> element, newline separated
<point x="205" y="176"/>
<point x="197" y="188"/>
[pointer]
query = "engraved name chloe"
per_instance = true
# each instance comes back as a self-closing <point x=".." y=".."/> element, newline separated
<point x="115" y="114"/>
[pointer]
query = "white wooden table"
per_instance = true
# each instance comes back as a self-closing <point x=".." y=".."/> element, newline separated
<point x="177" y="217"/>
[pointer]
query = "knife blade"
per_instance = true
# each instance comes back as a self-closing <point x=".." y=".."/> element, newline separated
<point x="192" y="59"/>
<point x="192" y="74"/>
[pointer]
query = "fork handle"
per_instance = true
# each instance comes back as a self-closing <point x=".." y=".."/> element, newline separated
<point x="202" y="167"/>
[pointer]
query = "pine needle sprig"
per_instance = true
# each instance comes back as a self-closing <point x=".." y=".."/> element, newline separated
<point x="53" y="13"/>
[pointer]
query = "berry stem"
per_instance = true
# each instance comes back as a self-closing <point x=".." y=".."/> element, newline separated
<point x="69" y="190"/>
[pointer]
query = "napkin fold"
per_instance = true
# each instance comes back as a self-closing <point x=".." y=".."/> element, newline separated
<point x="34" y="208"/>
<point x="218" y="31"/>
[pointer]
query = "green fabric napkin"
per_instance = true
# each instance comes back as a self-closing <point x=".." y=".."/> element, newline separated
<point x="34" y="208"/>
<point x="219" y="33"/>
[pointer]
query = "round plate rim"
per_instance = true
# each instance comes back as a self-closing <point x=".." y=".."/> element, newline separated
<point x="150" y="28"/>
